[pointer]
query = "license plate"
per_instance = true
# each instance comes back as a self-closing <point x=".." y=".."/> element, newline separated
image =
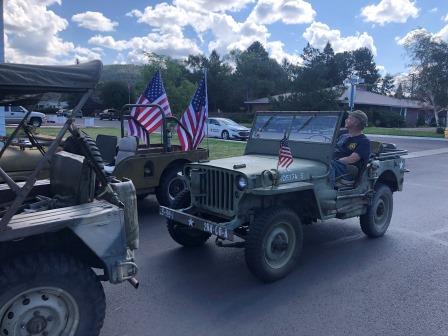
<point x="197" y="223"/>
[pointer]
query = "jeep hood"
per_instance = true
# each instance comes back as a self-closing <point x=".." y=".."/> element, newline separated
<point x="255" y="164"/>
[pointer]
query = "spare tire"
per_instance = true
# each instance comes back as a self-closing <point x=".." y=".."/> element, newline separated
<point x="73" y="145"/>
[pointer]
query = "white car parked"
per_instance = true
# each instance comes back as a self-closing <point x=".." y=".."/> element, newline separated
<point x="226" y="129"/>
<point x="15" y="114"/>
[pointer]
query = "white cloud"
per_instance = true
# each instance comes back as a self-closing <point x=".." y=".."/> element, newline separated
<point x="409" y="36"/>
<point x="318" y="34"/>
<point x="32" y="34"/>
<point x="108" y="42"/>
<point x="276" y="51"/>
<point x="162" y="16"/>
<point x="230" y="34"/>
<point x="387" y="11"/>
<point x="210" y="17"/>
<point x="434" y="10"/>
<point x="85" y="54"/>
<point x="227" y="33"/>
<point x="446" y="18"/>
<point x="442" y="35"/>
<point x="381" y="69"/>
<point x="95" y="21"/>
<point x="164" y="44"/>
<point x="287" y="11"/>
<point x="212" y="5"/>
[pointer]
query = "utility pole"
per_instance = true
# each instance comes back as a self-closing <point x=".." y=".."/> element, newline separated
<point x="351" y="82"/>
<point x="2" y="35"/>
<point x="2" y="60"/>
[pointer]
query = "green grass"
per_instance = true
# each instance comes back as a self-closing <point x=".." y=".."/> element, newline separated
<point x="221" y="149"/>
<point x="401" y="132"/>
<point x="217" y="149"/>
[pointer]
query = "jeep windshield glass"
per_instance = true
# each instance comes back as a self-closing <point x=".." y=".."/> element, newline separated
<point x="307" y="127"/>
<point x="271" y="127"/>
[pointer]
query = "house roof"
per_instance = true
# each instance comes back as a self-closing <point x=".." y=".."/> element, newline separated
<point x="370" y="98"/>
<point x="363" y="97"/>
<point x="265" y="100"/>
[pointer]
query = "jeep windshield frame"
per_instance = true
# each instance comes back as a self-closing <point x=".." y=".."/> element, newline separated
<point x="311" y="134"/>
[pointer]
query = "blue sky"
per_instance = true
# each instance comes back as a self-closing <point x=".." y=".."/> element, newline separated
<point x="59" y="31"/>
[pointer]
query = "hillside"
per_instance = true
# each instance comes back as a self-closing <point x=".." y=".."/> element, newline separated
<point x="122" y="72"/>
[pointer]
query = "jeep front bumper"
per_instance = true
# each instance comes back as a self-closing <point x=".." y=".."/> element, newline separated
<point x="197" y="223"/>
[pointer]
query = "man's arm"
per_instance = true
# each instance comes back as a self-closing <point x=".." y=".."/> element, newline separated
<point x="352" y="158"/>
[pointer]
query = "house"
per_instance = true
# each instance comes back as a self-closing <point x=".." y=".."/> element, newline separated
<point x="409" y="109"/>
<point x="367" y="101"/>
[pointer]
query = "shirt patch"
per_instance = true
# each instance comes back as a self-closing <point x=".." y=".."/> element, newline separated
<point x="352" y="146"/>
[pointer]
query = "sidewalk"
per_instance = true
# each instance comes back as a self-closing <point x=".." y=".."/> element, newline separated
<point x="405" y="137"/>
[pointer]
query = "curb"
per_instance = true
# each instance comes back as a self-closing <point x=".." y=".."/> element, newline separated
<point x="406" y="137"/>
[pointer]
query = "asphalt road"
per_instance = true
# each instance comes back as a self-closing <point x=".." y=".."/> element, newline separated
<point x="345" y="283"/>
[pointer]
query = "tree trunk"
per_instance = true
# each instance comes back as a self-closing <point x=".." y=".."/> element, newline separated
<point x="434" y="108"/>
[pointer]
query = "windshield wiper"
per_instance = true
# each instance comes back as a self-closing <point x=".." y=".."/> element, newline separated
<point x="264" y="125"/>
<point x="305" y="124"/>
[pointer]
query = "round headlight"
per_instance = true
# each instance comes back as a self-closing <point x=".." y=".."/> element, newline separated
<point x="241" y="182"/>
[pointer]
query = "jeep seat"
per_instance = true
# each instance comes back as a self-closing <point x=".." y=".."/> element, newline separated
<point x="127" y="147"/>
<point x="107" y="145"/>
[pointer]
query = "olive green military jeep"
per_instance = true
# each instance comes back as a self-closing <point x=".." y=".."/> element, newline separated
<point x="60" y="237"/>
<point x="154" y="164"/>
<point x="251" y="201"/>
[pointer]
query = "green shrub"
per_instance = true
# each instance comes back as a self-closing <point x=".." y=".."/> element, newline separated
<point x="420" y="120"/>
<point x="440" y="130"/>
<point x="382" y="118"/>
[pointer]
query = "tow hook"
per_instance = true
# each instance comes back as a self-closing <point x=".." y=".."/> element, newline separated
<point x="220" y="243"/>
<point x="134" y="282"/>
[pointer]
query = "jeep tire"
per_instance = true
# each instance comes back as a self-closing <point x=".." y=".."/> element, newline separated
<point x="274" y="243"/>
<point x="36" y="122"/>
<point x="171" y="184"/>
<point x="377" y="218"/>
<point x="183" y="234"/>
<point x="50" y="294"/>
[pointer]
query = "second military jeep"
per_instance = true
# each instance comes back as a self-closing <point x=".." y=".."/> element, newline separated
<point x="254" y="203"/>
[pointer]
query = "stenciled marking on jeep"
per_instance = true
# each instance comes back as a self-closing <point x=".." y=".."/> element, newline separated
<point x="291" y="177"/>
<point x="166" y="213"/>
<point x="215" y="230"/>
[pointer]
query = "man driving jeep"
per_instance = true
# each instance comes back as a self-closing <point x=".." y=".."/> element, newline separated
<point x="352" y="148"/>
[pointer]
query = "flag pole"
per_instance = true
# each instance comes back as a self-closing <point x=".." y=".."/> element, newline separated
<point x="206" y="99"/>
<point x="278" y="160"/>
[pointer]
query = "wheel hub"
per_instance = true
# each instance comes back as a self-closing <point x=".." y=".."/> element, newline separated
<point x="36" y="325"/>
<point x="175" y="187"/>
<point x="41" y="311"/>
<point x="280" y="244"/>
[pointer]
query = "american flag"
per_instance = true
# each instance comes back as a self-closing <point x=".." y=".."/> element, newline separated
<point x="149" y="117"/>
<point x="194" y="118"/>
<point x="284" y="154"/>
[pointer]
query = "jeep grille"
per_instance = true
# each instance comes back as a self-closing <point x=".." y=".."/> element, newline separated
<point x="217" y="188"/>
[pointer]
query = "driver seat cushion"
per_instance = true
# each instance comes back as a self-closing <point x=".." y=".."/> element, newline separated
<point x="127" y="147"/>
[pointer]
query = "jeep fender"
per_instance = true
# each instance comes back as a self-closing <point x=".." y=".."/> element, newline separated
<point x="289" y="193"/>
<point x="392" y="179"/>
